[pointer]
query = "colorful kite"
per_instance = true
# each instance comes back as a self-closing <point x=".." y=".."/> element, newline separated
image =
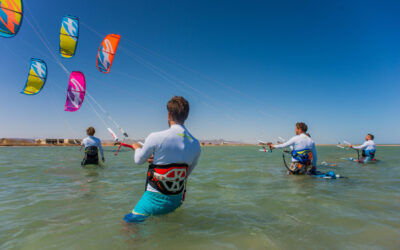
<point x="69" y="34"/>
<point x="10" y="17"/>
<point x="106" y="53"/>
<point x="75" y="92"/>
<point x="36" y="78"/>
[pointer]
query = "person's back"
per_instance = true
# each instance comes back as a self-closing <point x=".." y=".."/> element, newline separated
<point x="172" y="154"/>
<point x="302" y="142"/>
<point x="172" y="146"/>
<point x="91" y="141"/>
<point x="92" y="146"/>
<point x="175" y="144"/>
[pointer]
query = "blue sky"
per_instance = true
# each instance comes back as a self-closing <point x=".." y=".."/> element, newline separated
<point x="250" y="69"/>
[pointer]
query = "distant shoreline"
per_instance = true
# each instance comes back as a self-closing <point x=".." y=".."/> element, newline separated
<point x="203" y="145"/>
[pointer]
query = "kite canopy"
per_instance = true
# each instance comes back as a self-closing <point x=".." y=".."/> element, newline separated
<point x="75" y="92"/>
<point x="36" y="78"/>
<point x="10" y="17"/>
<point x="106" y="53"/>
<point x="69" y="34"/>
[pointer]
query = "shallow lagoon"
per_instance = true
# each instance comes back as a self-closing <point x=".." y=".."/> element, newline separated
<point x="238" y="198"/>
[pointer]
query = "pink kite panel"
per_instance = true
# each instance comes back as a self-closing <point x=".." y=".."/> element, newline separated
<point x="75" y="92"/>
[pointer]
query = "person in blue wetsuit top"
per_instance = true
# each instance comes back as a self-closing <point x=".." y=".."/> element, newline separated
<point x="172" y="154"/>
<point x="368" y="149"/>
<point x="304" y="154"/>
<point x="92" y="147"/>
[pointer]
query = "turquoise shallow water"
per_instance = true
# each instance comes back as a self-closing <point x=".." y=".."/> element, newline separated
<point x="238" y="198"/>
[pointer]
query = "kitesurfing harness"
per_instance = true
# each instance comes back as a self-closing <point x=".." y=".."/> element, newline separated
<point x="91" y="156"/>
<point x="168" y="179"/>
<point x="302" y="161"/>
<point x="303" y="156"/>
<point x="368" y="153"/>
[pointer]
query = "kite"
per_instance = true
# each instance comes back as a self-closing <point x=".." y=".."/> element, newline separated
<point x="69" y="34"/>
<point x="75" y="92"/>
<point x="106" y="53"/>
<point x="36" y="78"/>
<point x="10" y="17"/>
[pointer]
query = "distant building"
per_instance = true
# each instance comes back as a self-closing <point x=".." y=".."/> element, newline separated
<point x="51" y="141"/>
<point x="39" y="141"/>
<point x="55" y="141"/>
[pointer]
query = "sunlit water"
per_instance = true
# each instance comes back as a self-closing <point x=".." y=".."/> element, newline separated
<point x="238" y="198"/>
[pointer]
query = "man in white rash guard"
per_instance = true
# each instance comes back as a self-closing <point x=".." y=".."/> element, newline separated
<point x="92" y="146"/>
<point x="304" y="153"/>
<point x="172" y="154"/>
<point x="368" y="149"/>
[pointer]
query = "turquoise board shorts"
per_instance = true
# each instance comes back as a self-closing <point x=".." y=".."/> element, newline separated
<point x="153" y="203"/>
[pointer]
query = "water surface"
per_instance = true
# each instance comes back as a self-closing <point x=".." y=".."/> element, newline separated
<point x="238" y="198"/>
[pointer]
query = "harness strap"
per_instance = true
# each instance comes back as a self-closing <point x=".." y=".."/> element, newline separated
<point x="284" y="161"/>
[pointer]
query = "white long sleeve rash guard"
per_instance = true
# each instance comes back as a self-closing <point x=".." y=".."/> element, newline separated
<point x="93" y="141"/>
<point x="301" y="142"/>
<point x="174" y="145"/>
<point x="367" y="145"/>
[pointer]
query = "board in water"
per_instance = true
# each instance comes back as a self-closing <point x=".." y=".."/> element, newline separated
<point x="361" y="161"/>
<point x="328" y="175"/>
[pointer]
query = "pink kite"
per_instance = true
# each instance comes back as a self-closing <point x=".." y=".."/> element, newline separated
<point x="75" y="92"/>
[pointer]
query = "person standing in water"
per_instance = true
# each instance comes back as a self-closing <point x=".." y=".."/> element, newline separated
<point x="368" y="149"/>
<point x="303" y="153"/>
<point x="92" y="146"/>
<point x="172" y="154"/>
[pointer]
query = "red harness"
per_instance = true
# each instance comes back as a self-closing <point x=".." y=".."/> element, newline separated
<point x="168" y="179"/>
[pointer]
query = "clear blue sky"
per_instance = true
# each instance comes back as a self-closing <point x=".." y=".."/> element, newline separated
<point x="263" y="66"/>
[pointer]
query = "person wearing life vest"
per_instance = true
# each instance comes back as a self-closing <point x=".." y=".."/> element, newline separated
<point x="92" y="147"/>
<point x="172" y="154"/>
<point x="368" y="149"/>
<point x="304" y="154"/>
